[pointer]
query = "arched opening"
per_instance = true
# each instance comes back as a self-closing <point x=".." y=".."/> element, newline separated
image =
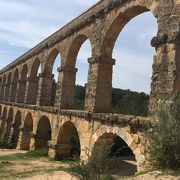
<point x="4" y="87"/>
<point x="111" y="153"/>
<point x="8" y="126"/>
<point x="14" y="85"/>
<point x="50" y="79"/>
<point x="26" y="134"/>
<point x="57" y="64"/>
<point x="22" y="84"/>
<point x="8" y="87"/>
<point x="16" y="129"/>
<point x="0" y="111"/>
<point x="1" y="84"/>
<point x="128" y="41"/>
<point x="177" y="81"/>
<point x="78" y="55"/>
<point x="68" y="143"/>
<point x="43" y="133"/>
<point x="33" y="82"/>
<point x="3" y="123"/>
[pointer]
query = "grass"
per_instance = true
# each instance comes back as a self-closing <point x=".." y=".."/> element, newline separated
<point x="8" y="165"/>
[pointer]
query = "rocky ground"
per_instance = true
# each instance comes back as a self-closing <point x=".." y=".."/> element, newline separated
<point x="15" y="167"/>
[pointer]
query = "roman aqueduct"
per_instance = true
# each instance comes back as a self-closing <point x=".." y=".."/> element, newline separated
<point x="28" y="118"/>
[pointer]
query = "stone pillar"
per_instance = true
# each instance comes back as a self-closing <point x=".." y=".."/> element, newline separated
<point x="66" y="87"/>
<point x="3" y="131"/>
<point x="21" y="88"/>
<point x="31" y="90"/>
<point x="166" y="68"/>
<point x="11" y="132"/>
<point x="52" y="149"/>
<point x="20" y="138"/>
<point x="44" y="89"/>
<point x="99" y="87"/>
<point x="32" y="142"/>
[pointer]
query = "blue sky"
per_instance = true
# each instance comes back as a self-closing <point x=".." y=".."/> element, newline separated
<point x="23" y="24"/>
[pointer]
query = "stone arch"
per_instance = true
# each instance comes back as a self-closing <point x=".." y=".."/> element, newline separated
<point x="118" y="24"/>
<point x="47" y="90"/>
<point x="9" y="125"/>
<point x="7" y="93"/>
<point x="14" y="85"/>
<point x="43" y="133"/>
<point x="68" y="142"/>
<point x="26" y="133"/>
<point x="3" y="87"/>
<point x="16" y="129"/>
<point x="0" y="111"/>
<point x="33" y="83"/>
<point x="74" y="49"/>
<point x="69" y="70"/>
<point x="50" y="60"/>
<point x="123" y="134"/>
<point x="116" y="21"/>
<point x="177" y="81"/>
<point x="3" y="123"/>
<point x="22" y="84"/>
<point x="35" y="67"/>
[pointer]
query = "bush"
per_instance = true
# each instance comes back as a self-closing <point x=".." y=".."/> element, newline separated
<point x="36" y="153"/>
<point x="88" y="171"/>
<point x="94" y="169"/>
<point x="164" y="142"/>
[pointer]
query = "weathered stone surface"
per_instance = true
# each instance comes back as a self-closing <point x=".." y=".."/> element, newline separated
<point x="27" y="117"/>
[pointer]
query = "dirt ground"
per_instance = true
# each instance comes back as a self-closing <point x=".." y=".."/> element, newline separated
<point x="42" y="169"/>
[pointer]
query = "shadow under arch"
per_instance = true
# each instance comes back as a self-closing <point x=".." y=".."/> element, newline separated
<point x="43" y="133"/>
<point x="26" y="134"/>
<point x="68" y="142"/>
<point x="16" y="129"/>
<point x="8" y="126"/>
<point x="113" y="154"/>
<point x="3" y="122"/>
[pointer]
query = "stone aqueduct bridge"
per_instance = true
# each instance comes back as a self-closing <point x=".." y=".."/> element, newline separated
<point x="27" y="117"/>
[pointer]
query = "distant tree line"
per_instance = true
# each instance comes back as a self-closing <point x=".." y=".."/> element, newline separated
<point x="123" y="101"/>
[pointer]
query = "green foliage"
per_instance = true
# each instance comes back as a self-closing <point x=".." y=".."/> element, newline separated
<point x="128" y="102"/>
<point x="79" y="97"/>
<point x="89" y="171"/>
<point x="164" y="143"/>
<point x="5" y="145"/>
<point x="36" y="153"/>
<point x="123" y="101"/>
<point x="92" y="169"/>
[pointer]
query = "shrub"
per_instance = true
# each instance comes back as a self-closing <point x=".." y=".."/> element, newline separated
<point x="164" y="142"/>
<point x="94" y="169"/>
<point x="36" y="153"/>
